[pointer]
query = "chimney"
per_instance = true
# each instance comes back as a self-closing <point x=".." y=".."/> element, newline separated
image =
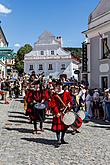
<point x="59" y="39"/>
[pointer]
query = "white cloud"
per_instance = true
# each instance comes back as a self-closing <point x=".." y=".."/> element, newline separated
<point x="17" y="45"/>
<point x="4" y="9"/>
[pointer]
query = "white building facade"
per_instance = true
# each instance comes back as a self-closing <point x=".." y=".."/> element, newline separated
<point x="98" y="38"/>
<point x="49" y="57"/>
<point x="7" y="57"/>
<point x="3" y="44"/>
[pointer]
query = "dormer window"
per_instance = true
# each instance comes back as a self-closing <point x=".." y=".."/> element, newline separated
<point x="42" y="52"/>
<point x="52" y="52"/>
<point x="63" y="67"/>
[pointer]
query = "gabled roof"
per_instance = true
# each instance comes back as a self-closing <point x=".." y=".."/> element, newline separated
<point x="3" y="36"/>
<point x="102" y="8"/>
<point x="45" y="38"/>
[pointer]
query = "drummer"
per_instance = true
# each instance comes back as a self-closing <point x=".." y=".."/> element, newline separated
<point x="29" y="97"/>
<point x="38" y="98"/>
<point x="57" y="125"/>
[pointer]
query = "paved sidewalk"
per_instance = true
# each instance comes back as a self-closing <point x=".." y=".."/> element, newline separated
<point x="18" y="146"/>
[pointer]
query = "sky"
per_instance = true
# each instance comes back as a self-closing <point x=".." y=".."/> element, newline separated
<point x="23" y="21"/>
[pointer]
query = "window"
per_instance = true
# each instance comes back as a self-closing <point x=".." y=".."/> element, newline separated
<point x="104" y="48"/>
<point x="104" y="82"/>
<point x="42" y="52"/>
<point x="52" y="52"/>
<point x="63" y="67"/>
<point x="40" y="67"/>
<point x="50" y="67"/>
<point x="31" y="67"/>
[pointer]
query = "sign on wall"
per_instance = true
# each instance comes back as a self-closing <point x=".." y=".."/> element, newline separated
<point x="84" y="57"/>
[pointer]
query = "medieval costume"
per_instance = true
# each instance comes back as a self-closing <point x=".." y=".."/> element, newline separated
<point x="57" y="125"/>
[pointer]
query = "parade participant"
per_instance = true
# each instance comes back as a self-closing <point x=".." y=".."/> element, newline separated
<point x="57" y="125"/>
<point x="67" y="98"/>
<point x="39" y="97"/>
<point x="28" y="100"/>
<point x="73" y="95"/>
<point x="46" y="96"/>
<point x="76" y="107"/>
<point x="77" y="98"/>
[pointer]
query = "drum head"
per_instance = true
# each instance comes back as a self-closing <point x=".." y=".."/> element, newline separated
<point x="81" y="114"/>
<point x="69" y="118"/>
<point x="39" y="106"/>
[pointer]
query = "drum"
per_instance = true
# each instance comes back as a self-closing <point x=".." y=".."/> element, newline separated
<point x="81" y="114"/>
<point x="40" y="106"/>
<point x="39" y="112"/>
<point x="68" y="118"/>
<point x="78" y="122"/>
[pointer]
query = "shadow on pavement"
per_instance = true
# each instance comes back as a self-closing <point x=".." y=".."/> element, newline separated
<point x="48" y="122"/>
<point x="2" y="103"/>
<point x="69" y="131"/>
<point x="101" y="122"/>
<point x="47" y="129"/>
<point x="41" y="140"/>
<point x="22" y="117"/>
<point x="99" y="126"/>
<point x="23" y="130"/>
<point x="19" y="121"/>
<point x="16" y="112"/>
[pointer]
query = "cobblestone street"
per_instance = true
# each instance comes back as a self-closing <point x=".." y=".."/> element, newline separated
<point x="18" y="146"/>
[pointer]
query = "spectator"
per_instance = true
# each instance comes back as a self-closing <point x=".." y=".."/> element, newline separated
<point x="89" y="103"/>
<point x="96" y="100"/>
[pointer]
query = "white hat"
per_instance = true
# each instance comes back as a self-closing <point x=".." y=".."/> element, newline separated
<point x="60" y="92"/>
<point x="82" y="86"/>
<point x="96" y="90"/>
<point x="107" y="90"/>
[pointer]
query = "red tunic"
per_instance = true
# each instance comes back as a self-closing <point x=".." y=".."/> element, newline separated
<point x="33" y="97"/>
<point x="29" y="99"/>
<point x="55" y="105"/>
<point x="67" y="98"/>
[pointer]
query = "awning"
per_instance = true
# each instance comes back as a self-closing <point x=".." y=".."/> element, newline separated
<point x="7" y="53"/>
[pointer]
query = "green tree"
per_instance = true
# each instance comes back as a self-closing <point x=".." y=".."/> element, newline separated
<point x="20" y="57"/>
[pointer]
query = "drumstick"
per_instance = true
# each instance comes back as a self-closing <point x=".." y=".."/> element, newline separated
<point x="63" y="104"/>
<point x="61" y="101"/>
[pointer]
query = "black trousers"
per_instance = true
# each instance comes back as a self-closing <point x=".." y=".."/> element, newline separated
<point x="35" y="125"/>
<point x="60" y="135"/>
